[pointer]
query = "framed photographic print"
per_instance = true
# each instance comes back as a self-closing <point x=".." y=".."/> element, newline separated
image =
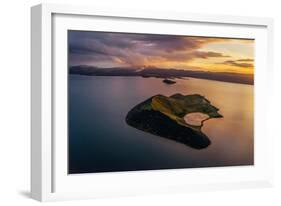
<point x="134" y="102"/>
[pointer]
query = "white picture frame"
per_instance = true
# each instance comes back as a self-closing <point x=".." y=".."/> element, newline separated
<point x="49" y="181"/>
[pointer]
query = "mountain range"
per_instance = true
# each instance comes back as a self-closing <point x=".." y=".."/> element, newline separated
<point x="147" y="72"/>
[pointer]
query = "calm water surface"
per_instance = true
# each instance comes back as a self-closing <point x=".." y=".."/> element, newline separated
<point x="101" y="141"/>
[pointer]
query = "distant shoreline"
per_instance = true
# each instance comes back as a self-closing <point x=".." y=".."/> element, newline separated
<point x="163" y="74"/>
<point x="236" y="82"/>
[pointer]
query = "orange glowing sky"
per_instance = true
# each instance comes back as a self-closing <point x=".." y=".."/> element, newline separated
<point x="104" y="49"/>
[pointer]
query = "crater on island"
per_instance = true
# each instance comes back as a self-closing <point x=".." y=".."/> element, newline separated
<point x="196" y="118"/>
<point x="178" y="117"/>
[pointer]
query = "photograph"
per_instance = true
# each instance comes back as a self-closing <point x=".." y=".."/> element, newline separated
<point x="139" y="101"/>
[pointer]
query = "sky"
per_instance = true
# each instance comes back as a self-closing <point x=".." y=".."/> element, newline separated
<point x="107" y="49"/>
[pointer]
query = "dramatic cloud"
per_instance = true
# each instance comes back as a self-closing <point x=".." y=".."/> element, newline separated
<point x="238" y="63"/>
<point x="116" y="49"/>
<point x="245" y="60"/>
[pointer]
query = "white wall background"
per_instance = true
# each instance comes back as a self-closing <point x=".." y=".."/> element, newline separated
<point x="15" y="103"/>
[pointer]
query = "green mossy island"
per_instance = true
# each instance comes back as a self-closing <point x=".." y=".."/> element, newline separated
<point x="165" y="117"/>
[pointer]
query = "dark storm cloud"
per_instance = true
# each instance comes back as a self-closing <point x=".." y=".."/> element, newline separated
<point x="134" y="49"/>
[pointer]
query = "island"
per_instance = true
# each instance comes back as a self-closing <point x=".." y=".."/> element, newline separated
<point x="166" y="117"/>
<point x="169" y="81"/>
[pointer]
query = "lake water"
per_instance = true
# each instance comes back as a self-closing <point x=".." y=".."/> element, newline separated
<point x="101" y="141"/>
